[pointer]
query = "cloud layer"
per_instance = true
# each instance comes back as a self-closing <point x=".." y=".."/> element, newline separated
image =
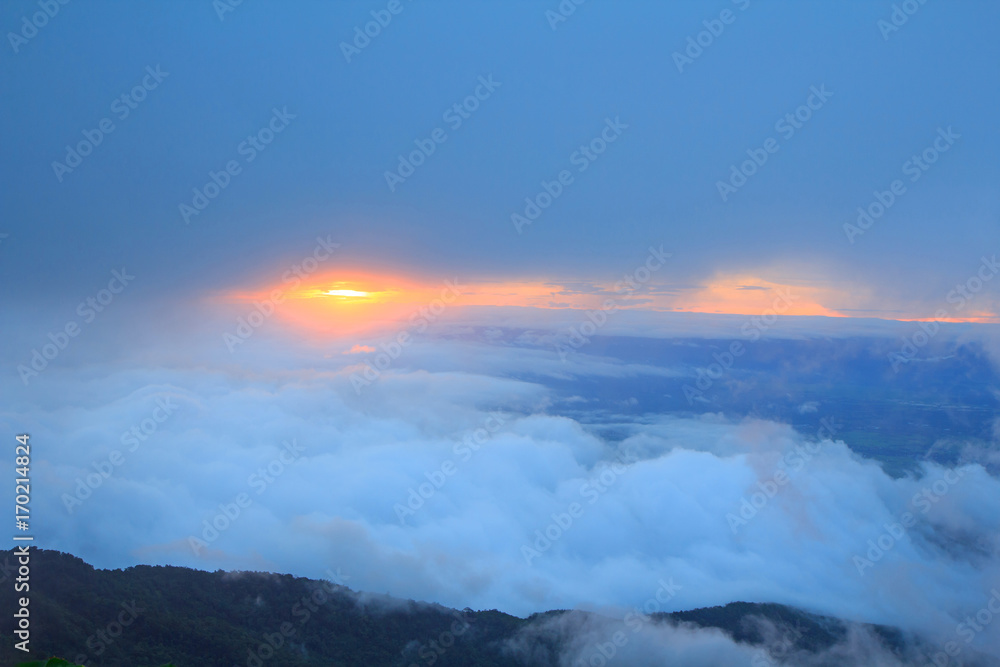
<point x="467" y="489"/>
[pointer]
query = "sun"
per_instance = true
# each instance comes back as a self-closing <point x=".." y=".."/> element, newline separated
<point x="344" y="292"/>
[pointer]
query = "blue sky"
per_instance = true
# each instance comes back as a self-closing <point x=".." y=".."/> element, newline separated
<point x="325" y="173"/>
<point x="312" y="213"/>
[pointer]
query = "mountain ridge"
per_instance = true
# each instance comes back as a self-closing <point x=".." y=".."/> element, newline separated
<point x="156" y="614"/>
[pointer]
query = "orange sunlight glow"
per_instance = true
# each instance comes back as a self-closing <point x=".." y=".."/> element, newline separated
<point x="749" y="295"/>
<point x="979" y="317"/>
<point x="357" y="302"/>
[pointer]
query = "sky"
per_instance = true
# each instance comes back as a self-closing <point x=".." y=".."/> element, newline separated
<point x="886" y="96"/>
<point x="259" y="269"/>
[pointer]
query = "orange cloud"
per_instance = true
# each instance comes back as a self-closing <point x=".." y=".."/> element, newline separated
<point x="356" y="302"/>
<point x="749" y="295"/>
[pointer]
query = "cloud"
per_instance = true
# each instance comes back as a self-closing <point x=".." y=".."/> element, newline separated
<point x="595" y="639"/>
<point x="466" y="488"/>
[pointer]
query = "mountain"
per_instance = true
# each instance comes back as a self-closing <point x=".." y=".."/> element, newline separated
<point x="151" y="615"/>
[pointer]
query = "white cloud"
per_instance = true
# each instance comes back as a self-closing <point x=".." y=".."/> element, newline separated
<point x="661" y="515"/>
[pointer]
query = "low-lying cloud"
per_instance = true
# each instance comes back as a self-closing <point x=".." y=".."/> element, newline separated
<point x="510" y="506"/>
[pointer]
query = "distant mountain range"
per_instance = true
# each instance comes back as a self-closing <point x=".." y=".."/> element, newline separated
<point x="152" y="615"/>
